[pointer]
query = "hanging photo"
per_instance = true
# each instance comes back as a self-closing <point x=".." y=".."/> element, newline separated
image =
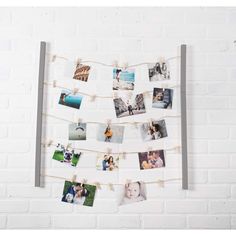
<point x="158" y="71"/>
<point x="153" y="130"/>
<point x="82" y="72"/>
<point x="123" y="79"/>
<point x="107" y="162"/>
<point x="110" y="133"/>
<point x="128" y="106"/>
<point x="78" y="193"/>
<point x="134" y="192"/>
<point x="66" y="155"/>
<point x="67" y="98"/>
<point x="162" y="98"/>
<point x="77" y="131"/>
<point x="152" y="159"/>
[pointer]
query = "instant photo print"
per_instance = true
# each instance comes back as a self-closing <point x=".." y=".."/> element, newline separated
<point x="82" y="72"/>
<point x="158" y="71"/>
<point x="123" y="79"/>
<point x="78" y="193"/>
<point x="77" y="131"/>
<point x="107" y="162"/>
<point x="65" y="155"/>
<point x="162" y="98"/>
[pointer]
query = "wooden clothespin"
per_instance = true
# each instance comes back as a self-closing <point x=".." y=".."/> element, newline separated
<point x="68" y="145"/>
<point x="161" y="183"/>
<point x="79" y="121"/>
<point x="149" y="149"/>
<point x="178" y="149"/>
<point x="93" y="98"/>
<point x="50" y="142"/>
<point x="109" y="150"/>
<point x="108" y="121"/>
<point x="124" y="155"/>
<point x="115" y="63"/>
<point x="128" y="181"/>
<point x="115" y="95"/>
<point x="54" y="57"/>
<point x="125" y="66"/>
<point x="75" y="90"/>
<point x="161" y="60"/>
<point x="78" y="61"/>
<point x="147" y="94"/>
<point x="111" y="187"/>
<point x="73" y="179"/>
<point x="135" y="123"/>
<point x="54" y="84"/>
<point x="84" y="181"/>
<point x="98" y="185"/>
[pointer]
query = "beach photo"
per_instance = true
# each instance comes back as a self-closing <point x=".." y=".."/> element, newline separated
<point x="133" y="192"/>
<point x="123" y="79"/>
<point x="77" y="131"/>
<point x="152" y="159"/>
<point x="110" y="133"/>
<point x="78" y="193"/>
<point x="107" y="162"/>
<point x="162" y="98"/>
<point x="82" y="72"/>
<point x="158" y="71"/>
<point x="153" y="130"/>
<point x="66" y="155"/>
<point x="128" y="106"/>
<point x="67" y="98"/>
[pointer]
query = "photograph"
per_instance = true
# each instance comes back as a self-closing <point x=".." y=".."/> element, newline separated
<point x="123" y="79"/>
<point x="77" y="131"/>
<point x="67" y="98"/>
<point x="134" y="192"/>
<point x="152" y="159"/>
<point x="107" y="162"/>
<point x="81" y="72"/>
<point x="162" y="98"/>
<point x="153" y="130"/>
<point x="110" y="133"/>
<point x="78" y="193"/>
<point x="158" y="71"/>
<point x="126" y="106"/>
<point x="66" y="155"/>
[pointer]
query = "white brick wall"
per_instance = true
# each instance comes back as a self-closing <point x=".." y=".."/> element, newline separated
<point x="133" y="35"/>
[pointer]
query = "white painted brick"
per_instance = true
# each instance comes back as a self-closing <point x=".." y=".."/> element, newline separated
<point x="232" y="102"/>
<point x="233" y="222"/>
<point x="13" y="206"/>
<point x="233" y="161"/>
<point x="217" y="207"/>
<point x="28" y="221"/>
<point x="220" y="31"/>
<point x="2" y="190"/>
<point x="118" y="222"/>
<point x="3" y="220"/>
<point x="186" y="206"/>
<point x="163" y="221"/>
<point x="196" y="146"/>
<point x="208" y="191"/>
<point x="5" y="45"/>
<point x="222" y="89"/>
<point x="46" y="206"/>
<point x="209" y="222"/>
<point x="14" y="176"/>
<point x="219" y="117"/>
<point x="74" y="221"/>
<point x="222" y="147"/>
<point x="3" y="131"/>
<point x="21" y="131"/>
<point x="223" y="60"/>
<point x="19" y="146"/>
<point x="222" y="176"/>
<point x="4" y="102"/>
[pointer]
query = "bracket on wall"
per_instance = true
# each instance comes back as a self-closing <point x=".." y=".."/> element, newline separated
<point x="39" y="114"/>
<point x="184" y="117"/>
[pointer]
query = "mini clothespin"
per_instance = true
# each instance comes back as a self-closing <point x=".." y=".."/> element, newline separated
<point x="93" y="98"/>
<point x="128" y="181"/>
<point x="115" y="63"/>
<point x="75" y="90"/>
<point x="68" y="145"/>
<point x="149" y="149"/>
<point x="78" y="61"/>
<point x="109" y="122"/>
<point x="73" y="178"/>
<point x="108" y="151"/>
<point x="54" y="57"/>
<point x="98" y="185"/>
<point x="54" y="84"/>
<point x="161" y="60"/>
<point x="83" y="181"/>
<point x="178" y="149"/>
<point x="161" y="183"/>
<point x="115" y="95"/>
<point x="50" y="142"/>
<point x="111" y="187"/>
<point x="79" y="121"/>
<point x="125" y="66"/>
<point x="129" y="94"/>
<point x="135" y="123"/>
<point x="147" y="94"/>
<point x="150" y="121"/>
<point x="123" y="155"/>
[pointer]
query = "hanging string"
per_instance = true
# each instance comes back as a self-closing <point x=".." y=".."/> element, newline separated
<point x="55" y="56"/>
<point x="51" y="143"/>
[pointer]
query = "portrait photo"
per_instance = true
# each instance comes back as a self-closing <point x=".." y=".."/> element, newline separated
<point x="153" y="130"/>
<point x="162" y="98"/>
<point x="78" y="193"/>
<point x="110" y="133"/>
<point x="107" y="162"/>
<point x="67" y="98"/>
<point x="128" y="106"/>
<point x="158" y="71"/>
<point x="77" y="131"/>
<point x="123" y="79"/>
<point x="152" y="159"/>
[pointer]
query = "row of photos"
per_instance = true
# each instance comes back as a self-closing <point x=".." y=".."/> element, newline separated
<point x="125" y="105"/>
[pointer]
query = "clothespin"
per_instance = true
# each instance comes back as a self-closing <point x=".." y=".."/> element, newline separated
<point x="115" y="63"/>
<point x="109" y="122"/>
<point x="108" y="151"/>
<point x="146" y="94"/>
<point x="79" y="121"/>
<point x="161" y="183"/>
<point x="125" y="66"/>
<point x="150" y="121"/>
<point x="73" y="178"/>
<point x="129" y="94"/>
<point x="68" y="145"/>
<point x="178" y="149"/>
<point x="54" y="84"/>
<point x="75" y="90"/>
<point x="78" y="61"/>
<point x="50" y="142"/>
<point x="98" y="185"/>
<point x="128" y="181"/>
<point x="135" y="123"/>
<point x="115" y="95"/>
<point x="84" y="181"/>
<point x="111" y="187"/>
<point x="149" y="149"/>
<point x="161" y="60"/>
<point x="93" y="98"/>
<point x="54" y="57"/>
<point x="123" y="155"/>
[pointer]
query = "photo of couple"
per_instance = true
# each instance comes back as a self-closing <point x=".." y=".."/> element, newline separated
<point x="107" y="162"/>
<point x="158" y="71"/>
<point x="152" y="159"/>
<point x="153" y="130"/>
<point x="123" y="79"/>
<point x="78" y="193"/>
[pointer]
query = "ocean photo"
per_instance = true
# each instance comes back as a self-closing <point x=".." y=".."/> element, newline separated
<point x="123" y="79"/>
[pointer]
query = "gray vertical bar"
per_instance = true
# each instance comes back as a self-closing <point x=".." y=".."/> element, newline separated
<point x="184" y="117"/>
<point x="39" y="114"/>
